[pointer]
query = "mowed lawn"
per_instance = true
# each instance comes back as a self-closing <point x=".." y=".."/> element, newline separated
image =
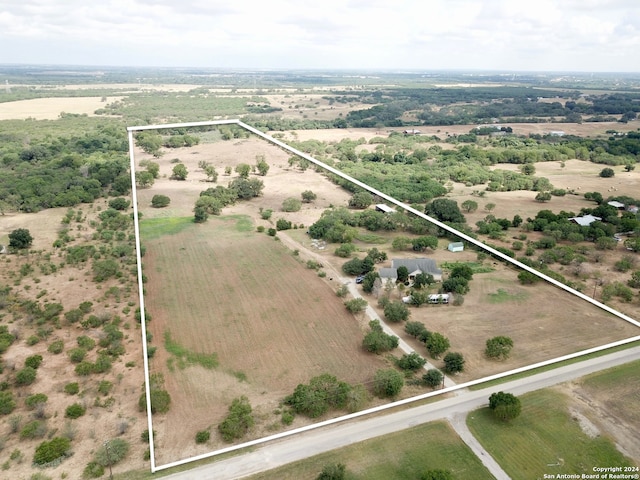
<point x="221" y="287"/>
<point x="407" y="454"/>
<point x="544" y="439"/>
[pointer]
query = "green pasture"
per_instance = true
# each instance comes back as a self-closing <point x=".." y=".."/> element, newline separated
<point x="502" y="296"/>
<point x="544" y="439"/>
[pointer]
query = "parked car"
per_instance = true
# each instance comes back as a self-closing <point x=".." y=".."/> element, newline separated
<point x="359" y="278"/>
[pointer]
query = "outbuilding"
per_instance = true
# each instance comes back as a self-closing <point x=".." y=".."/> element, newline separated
<point x="456" y="247"/>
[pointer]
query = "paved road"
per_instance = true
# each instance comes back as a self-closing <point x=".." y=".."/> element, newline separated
<point x="314" y="442"/>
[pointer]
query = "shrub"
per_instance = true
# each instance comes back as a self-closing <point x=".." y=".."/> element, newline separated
<point x="56" y="347"/>
<point x="74" y="411"/>
<point x="104" y="387"/>
<point x="433" y="378"/>
<point x="84" y="368"/>
<point x="112" y="452"/>
<point x="7" y="403"/>
<point x="76" y="355"/>
<point x="47" y="452"/>
<point x="93" y="470"/>
<point x="283" y="224"/>
<point x="86" y="343"/>
<point x="71" y="388"/>
<point x="32" y="401"/>
<point x="498" y="347"/>
<point x="34" y="429"/>
<point x="160" y="401"/>
<point x="33" y="361"/>
<point x="238" y="421"/>
<point x="26" y="376"/>
<point x="203" y="436"/>
<point x="412" y="362"/>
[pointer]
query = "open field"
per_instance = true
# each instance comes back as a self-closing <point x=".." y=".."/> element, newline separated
<point x="547" y="438"/>
<point x="51" y="108"/>
<point x="271" y="322"/>
<point x="400" y="455"/>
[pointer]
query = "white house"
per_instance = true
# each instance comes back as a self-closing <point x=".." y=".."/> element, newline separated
<point x="414" y="266"/>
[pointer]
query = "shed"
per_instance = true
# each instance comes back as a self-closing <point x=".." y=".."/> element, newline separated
<point x="381" y="207"/>
<point x="455" y="247"/>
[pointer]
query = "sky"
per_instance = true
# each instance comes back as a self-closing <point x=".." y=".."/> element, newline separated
<point x="513" y="35"/>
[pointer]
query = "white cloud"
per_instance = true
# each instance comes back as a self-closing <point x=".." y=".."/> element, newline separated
<point x="438" y="34"/>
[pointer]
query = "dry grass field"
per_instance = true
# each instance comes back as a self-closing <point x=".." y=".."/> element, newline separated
<point x="51" y="108"/>
<point x="272" y="322"/>
<point x="236" y="304"/>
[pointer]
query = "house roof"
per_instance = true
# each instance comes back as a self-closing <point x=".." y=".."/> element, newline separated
<point x="414" y="265"/>
<point x="613" y="203"/>
<point x="585" y="220"/>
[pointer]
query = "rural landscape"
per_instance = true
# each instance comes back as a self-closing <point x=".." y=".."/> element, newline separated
<point x="278" y="294"/>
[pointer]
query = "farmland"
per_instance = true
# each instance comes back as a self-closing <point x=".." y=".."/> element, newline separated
<point x="237" y="312"/>
<point x="271" y="322"/>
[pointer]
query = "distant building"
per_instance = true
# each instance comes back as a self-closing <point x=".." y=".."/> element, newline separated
<point x="585" y="220"/>
<point x="557" y="133"/>
<point x="411" y="131"/>
<point x="455" y="247"/>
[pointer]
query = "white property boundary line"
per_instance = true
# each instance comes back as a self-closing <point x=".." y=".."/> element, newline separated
<point x="494" y="252"/>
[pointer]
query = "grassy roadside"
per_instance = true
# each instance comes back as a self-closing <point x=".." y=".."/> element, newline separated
<point x="406" y="454"/>
<point x="544" y="439"/>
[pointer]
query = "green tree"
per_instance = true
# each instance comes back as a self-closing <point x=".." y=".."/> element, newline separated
<point x="423" y="280"/>
<point x="105" y="269"/>
<point x="179" y="172"/>
<point x="607" y="172"/>
<point x="528" y="169"/>
<point x="400" y="243"/>
<point x="246" y="189"/>
<point x="119" y="203"/>
<point x="453" y="362"/>
<point x="433" y="378"/>
<point x="376" y="341"/>
<point x="396" y="312"/>
<point x="308" y="196"/>
<point x="20" y="239"/>
<point x="415" y="329"/>
<point x="112" y="452"/>
<point x="154" y="169"/>
<point x="361" y="200"/>
<point x="144" y="179"/>
<point x="505" y="406"/>
<point x="243" y="170"/>
<point x="345" y="250"/>
<point x="388" y="383"/>
<point x="445" y="210"/>
<point x="402" y="273"/>
<point x="498" y="347"/>
<point x="356" y="305"/>
<point x="211" y="173"/>
<point x="261" y="165"/>
<point x="160" y="201"/>
<point x="437" y="344"/>
<point x="543" y="197"/>
<point x="291" y="204"/>
<point x="489" y="206"/>
<point x="469" y="206"/>
<point x="412" y="362"/>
